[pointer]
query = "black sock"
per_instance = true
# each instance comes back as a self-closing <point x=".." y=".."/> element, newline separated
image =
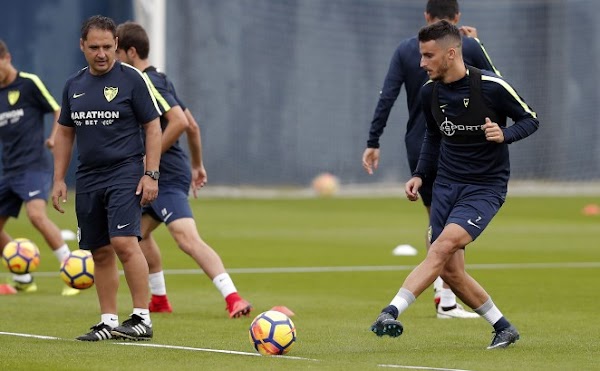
<point x="501" y="324"/>
<point x="391" y="310"/>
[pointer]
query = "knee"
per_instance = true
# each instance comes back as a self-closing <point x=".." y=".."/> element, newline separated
<point x="189" y="242"/>
<point x="36" y="218"/>
<point x="103" y="256"/>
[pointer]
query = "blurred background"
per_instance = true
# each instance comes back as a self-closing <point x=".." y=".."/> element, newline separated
<point x="284" y="90"/>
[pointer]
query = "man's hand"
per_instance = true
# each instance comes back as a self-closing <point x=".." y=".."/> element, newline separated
<point x="148" y="188"/>
<point x="412" y="188"/>
<point x="468" y="31"/>
<point x="59" y="194"/>
<point x="199" y="179"/>
<point x="493" y="132"/>
<point x="370" y="160"/>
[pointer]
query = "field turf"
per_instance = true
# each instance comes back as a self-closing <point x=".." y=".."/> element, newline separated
<point x="330" y="261"/>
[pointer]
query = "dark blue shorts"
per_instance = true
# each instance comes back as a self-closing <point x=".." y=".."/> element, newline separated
<point x="106" y="213"/>
<point x="470" y="206"/>
<point x="171" y="204"/>
<point x="23" y="187"/>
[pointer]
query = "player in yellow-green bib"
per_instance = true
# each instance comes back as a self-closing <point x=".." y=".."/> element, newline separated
<point x="26" y="162"/>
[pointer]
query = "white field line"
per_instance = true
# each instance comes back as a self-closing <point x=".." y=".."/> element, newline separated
<point x="149" y="345"/>
<point x="370" y="268"/>
<point x="422" y="368"/>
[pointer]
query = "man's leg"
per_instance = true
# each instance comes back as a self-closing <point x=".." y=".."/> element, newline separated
<point x="159" y="302"/>
<point x="106" y="278"/>
<point x="135" y="266"/>
<point x="452" y="238"/>
<point x="475" y="296"/>
<point x="106" y="281"/>
<point x="185" y="233"/>
<point x="36" y="212"/>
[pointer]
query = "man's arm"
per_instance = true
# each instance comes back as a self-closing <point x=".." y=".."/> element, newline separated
<point x="51" y="138"/>
<point x="194" y="137"/>
<point x="178" y="123"/>
<point x="504" y="98"/>
<point x="430" y="149"/>
<point x="147" y="186"/>
<point x="387" y="97"/>
<point x="64" y="138"/>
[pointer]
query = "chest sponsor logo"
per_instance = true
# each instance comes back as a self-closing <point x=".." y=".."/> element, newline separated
<point x="13" y="97"/>
<point x="110" y="92"/>
<point x="11" y="117"/>
<point x="449" y="128"/>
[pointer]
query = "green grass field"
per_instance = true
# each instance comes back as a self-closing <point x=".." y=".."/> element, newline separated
<point x="345" y="246"/>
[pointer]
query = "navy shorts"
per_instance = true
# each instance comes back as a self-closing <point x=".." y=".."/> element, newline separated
<point x="23" y="187"/>
<point x="470" y="206"/>
<point x="171" y="204"/>
<point x="107" y="212"/>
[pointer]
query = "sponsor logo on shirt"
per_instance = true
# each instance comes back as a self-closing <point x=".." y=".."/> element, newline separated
<point x="92" y="118"/>
<point x="449" y="128"/>
<point x="11" y="117"/>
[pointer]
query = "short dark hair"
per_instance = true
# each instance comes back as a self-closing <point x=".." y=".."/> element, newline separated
<point x="442" y="9"/>
<point x="3" y="49"/>
<point x="132" y="34"/>
<point x="440" y="30"/>
<point x="99" y="22"/>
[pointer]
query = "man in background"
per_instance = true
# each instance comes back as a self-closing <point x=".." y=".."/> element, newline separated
<point x="172" y="205"/>
<point x="26" y="162"/>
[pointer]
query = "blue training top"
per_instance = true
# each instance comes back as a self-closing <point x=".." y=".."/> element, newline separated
<point x="107" y="112"/>
<point x="405" y="69"/>
<point x="23" y="104"/>
<point x="454" y="141"/>
<point x="174" y="163"/>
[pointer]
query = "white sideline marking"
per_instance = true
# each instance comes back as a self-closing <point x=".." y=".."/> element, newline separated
<point x="367" y="268"/>
<point x="30" y="336"/>
<point x="150" y="345"/>
<point x="422" y="368"/>
<point x="43" y="337"/>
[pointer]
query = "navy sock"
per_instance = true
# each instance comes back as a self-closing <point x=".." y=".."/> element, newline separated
<point x="391" y="310"/>
<point x="501" y="324"/>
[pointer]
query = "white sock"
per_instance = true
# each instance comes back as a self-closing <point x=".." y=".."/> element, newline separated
<point x="224" y="284"/>
<point x="402" y="300"/>
<point x="447" y="298"/>
<point x="62" y="252"/>
<point x="110" y="319"/>
<point x="145" y="314"/>
<point x="489" y="311"/>
<point x="22" y="278"/>
<point x="157" y="283"/>
<point x="438" y="285"/>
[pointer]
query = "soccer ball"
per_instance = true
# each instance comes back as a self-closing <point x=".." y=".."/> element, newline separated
<point x="272" y="333"/>
<point x="77" y="270"/>
<point x="326" y="185"/>
<point x="21" y="256"/>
